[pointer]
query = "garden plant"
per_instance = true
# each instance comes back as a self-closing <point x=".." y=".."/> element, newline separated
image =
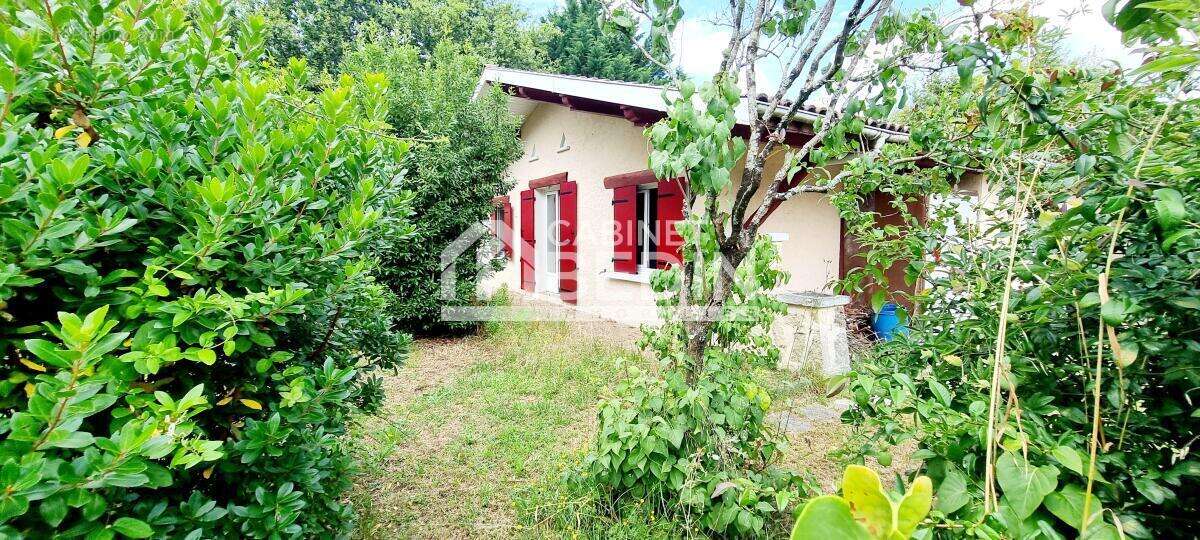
<point x="188" y="314"/>
<point x="1049" y="372"/>
<point x="692" y="439"/>
<point x="1049" y="379"/>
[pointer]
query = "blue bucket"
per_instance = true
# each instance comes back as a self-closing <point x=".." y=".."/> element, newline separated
<point x="887" y="322"/>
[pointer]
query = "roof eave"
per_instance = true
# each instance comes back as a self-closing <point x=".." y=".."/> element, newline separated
<point x="636" y="96"/>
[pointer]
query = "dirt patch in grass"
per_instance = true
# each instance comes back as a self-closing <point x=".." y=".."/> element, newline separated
<point x="817" y="451"/>
<point x="433" y="363"/>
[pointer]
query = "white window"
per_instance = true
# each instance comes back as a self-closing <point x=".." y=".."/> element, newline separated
<point x="647" y="218"/>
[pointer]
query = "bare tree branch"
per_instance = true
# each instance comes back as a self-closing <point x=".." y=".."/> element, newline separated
<point x="832" y="113"/>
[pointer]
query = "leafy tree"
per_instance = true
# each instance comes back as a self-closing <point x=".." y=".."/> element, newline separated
<point x="187" y="310"/>
<point x="692" y="439"/>
<point x="318" y="31"/>
<point x="1051" y="367"/>
<point x="453" y="180"/>
<point x="324" y="31"/>
<point x="495" y="31"/>
<point x="715" y="305"/>
<point x="583" y="47"/>
<point x="831" y="49"/>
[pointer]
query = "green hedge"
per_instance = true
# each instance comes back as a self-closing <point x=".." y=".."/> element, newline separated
<point x="453" y="181"/>
<point x="187" y="313"/>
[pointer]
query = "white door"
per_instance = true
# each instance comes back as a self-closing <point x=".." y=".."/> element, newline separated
<point x="547" y="242"/>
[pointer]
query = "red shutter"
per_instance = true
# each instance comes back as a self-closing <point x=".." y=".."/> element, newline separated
<point x="527" y="240"/>
<point x="670" y="211"/>
<point x="506" y="229"/>
<point x="568" y="284"/>
<point x="625" y="229"/>
<point x="502" y="224"/>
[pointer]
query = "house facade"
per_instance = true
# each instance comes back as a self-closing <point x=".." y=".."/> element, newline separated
<point x="586" y="223"/>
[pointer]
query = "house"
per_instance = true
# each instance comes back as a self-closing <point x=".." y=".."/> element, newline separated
<point x="586" y="223"/>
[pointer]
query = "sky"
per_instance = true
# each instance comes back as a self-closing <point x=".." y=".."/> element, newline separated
<point x="698" y="43"/>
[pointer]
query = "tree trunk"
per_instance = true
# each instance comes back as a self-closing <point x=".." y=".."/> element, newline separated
<point x="699" y="323"/>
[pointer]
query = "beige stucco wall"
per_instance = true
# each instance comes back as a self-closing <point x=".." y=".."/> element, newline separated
<point x="602" y="146"/>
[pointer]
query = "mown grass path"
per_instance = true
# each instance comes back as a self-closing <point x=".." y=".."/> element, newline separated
<point x="472" y="421"/>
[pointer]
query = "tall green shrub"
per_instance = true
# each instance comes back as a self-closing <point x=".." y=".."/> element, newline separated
<point x="692" y="440"/>
<point x="1051" y="373"/>
<point x="187" y="310"/>
<point x="455" y="179"/>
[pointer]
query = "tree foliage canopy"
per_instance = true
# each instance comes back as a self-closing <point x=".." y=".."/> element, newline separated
<point x="453" y="180"/>
<point x="582" y="46"/>
<point x="325" y="31"/>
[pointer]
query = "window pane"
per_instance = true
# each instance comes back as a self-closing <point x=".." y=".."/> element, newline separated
<point x="652" y="228"/>
<point x="641" y="227"/>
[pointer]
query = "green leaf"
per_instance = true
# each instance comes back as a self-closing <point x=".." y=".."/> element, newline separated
<point x="1169" y="63"/>
<point x="132" y="528"/>
<point x="1189" y="302"/>
<point x="206" y="356"/>
<point x="827" y="517"/>
<point x="1114" y="311"/>
<point x="1176" y="236"/>
<point x="1084" y="164"/>
<point x="624" y="21"/>
<point x="1067" y="505"/>
<point x="1024" y="485"/>
<point x="966" y="67"/>
<point x="74" y="267"/>
<point x="1153" y="491"/>
<point x="262" y="339"/>
<point x="126" y="480"/>
<point x="48" y="352"/>
<point x="74" y="439"/>
<point x="686" y="89"/>
<point x="12" y="506"/>
<point x="877" y="299"/>
<point x="1169" y="208"/>
<point x="913" y="507"/>
<point x="952" y="493"/>
<point x="940" y="390"/>
<point x="53" y="510"/>
<point x="868" y="502"/>
<point x="1101" y="531"/>
<point x="121" y="227"/>
<point x="1069" y="457"/>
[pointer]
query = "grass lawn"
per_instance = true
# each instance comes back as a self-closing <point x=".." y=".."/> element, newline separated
<point x="475" y="428"/>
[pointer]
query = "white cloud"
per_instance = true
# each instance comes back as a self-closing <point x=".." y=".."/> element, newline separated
<point x="698" y="46"/>
<point x="1088" y="34"/>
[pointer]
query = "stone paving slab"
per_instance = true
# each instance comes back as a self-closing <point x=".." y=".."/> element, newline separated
<point x="805" y="418"/>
